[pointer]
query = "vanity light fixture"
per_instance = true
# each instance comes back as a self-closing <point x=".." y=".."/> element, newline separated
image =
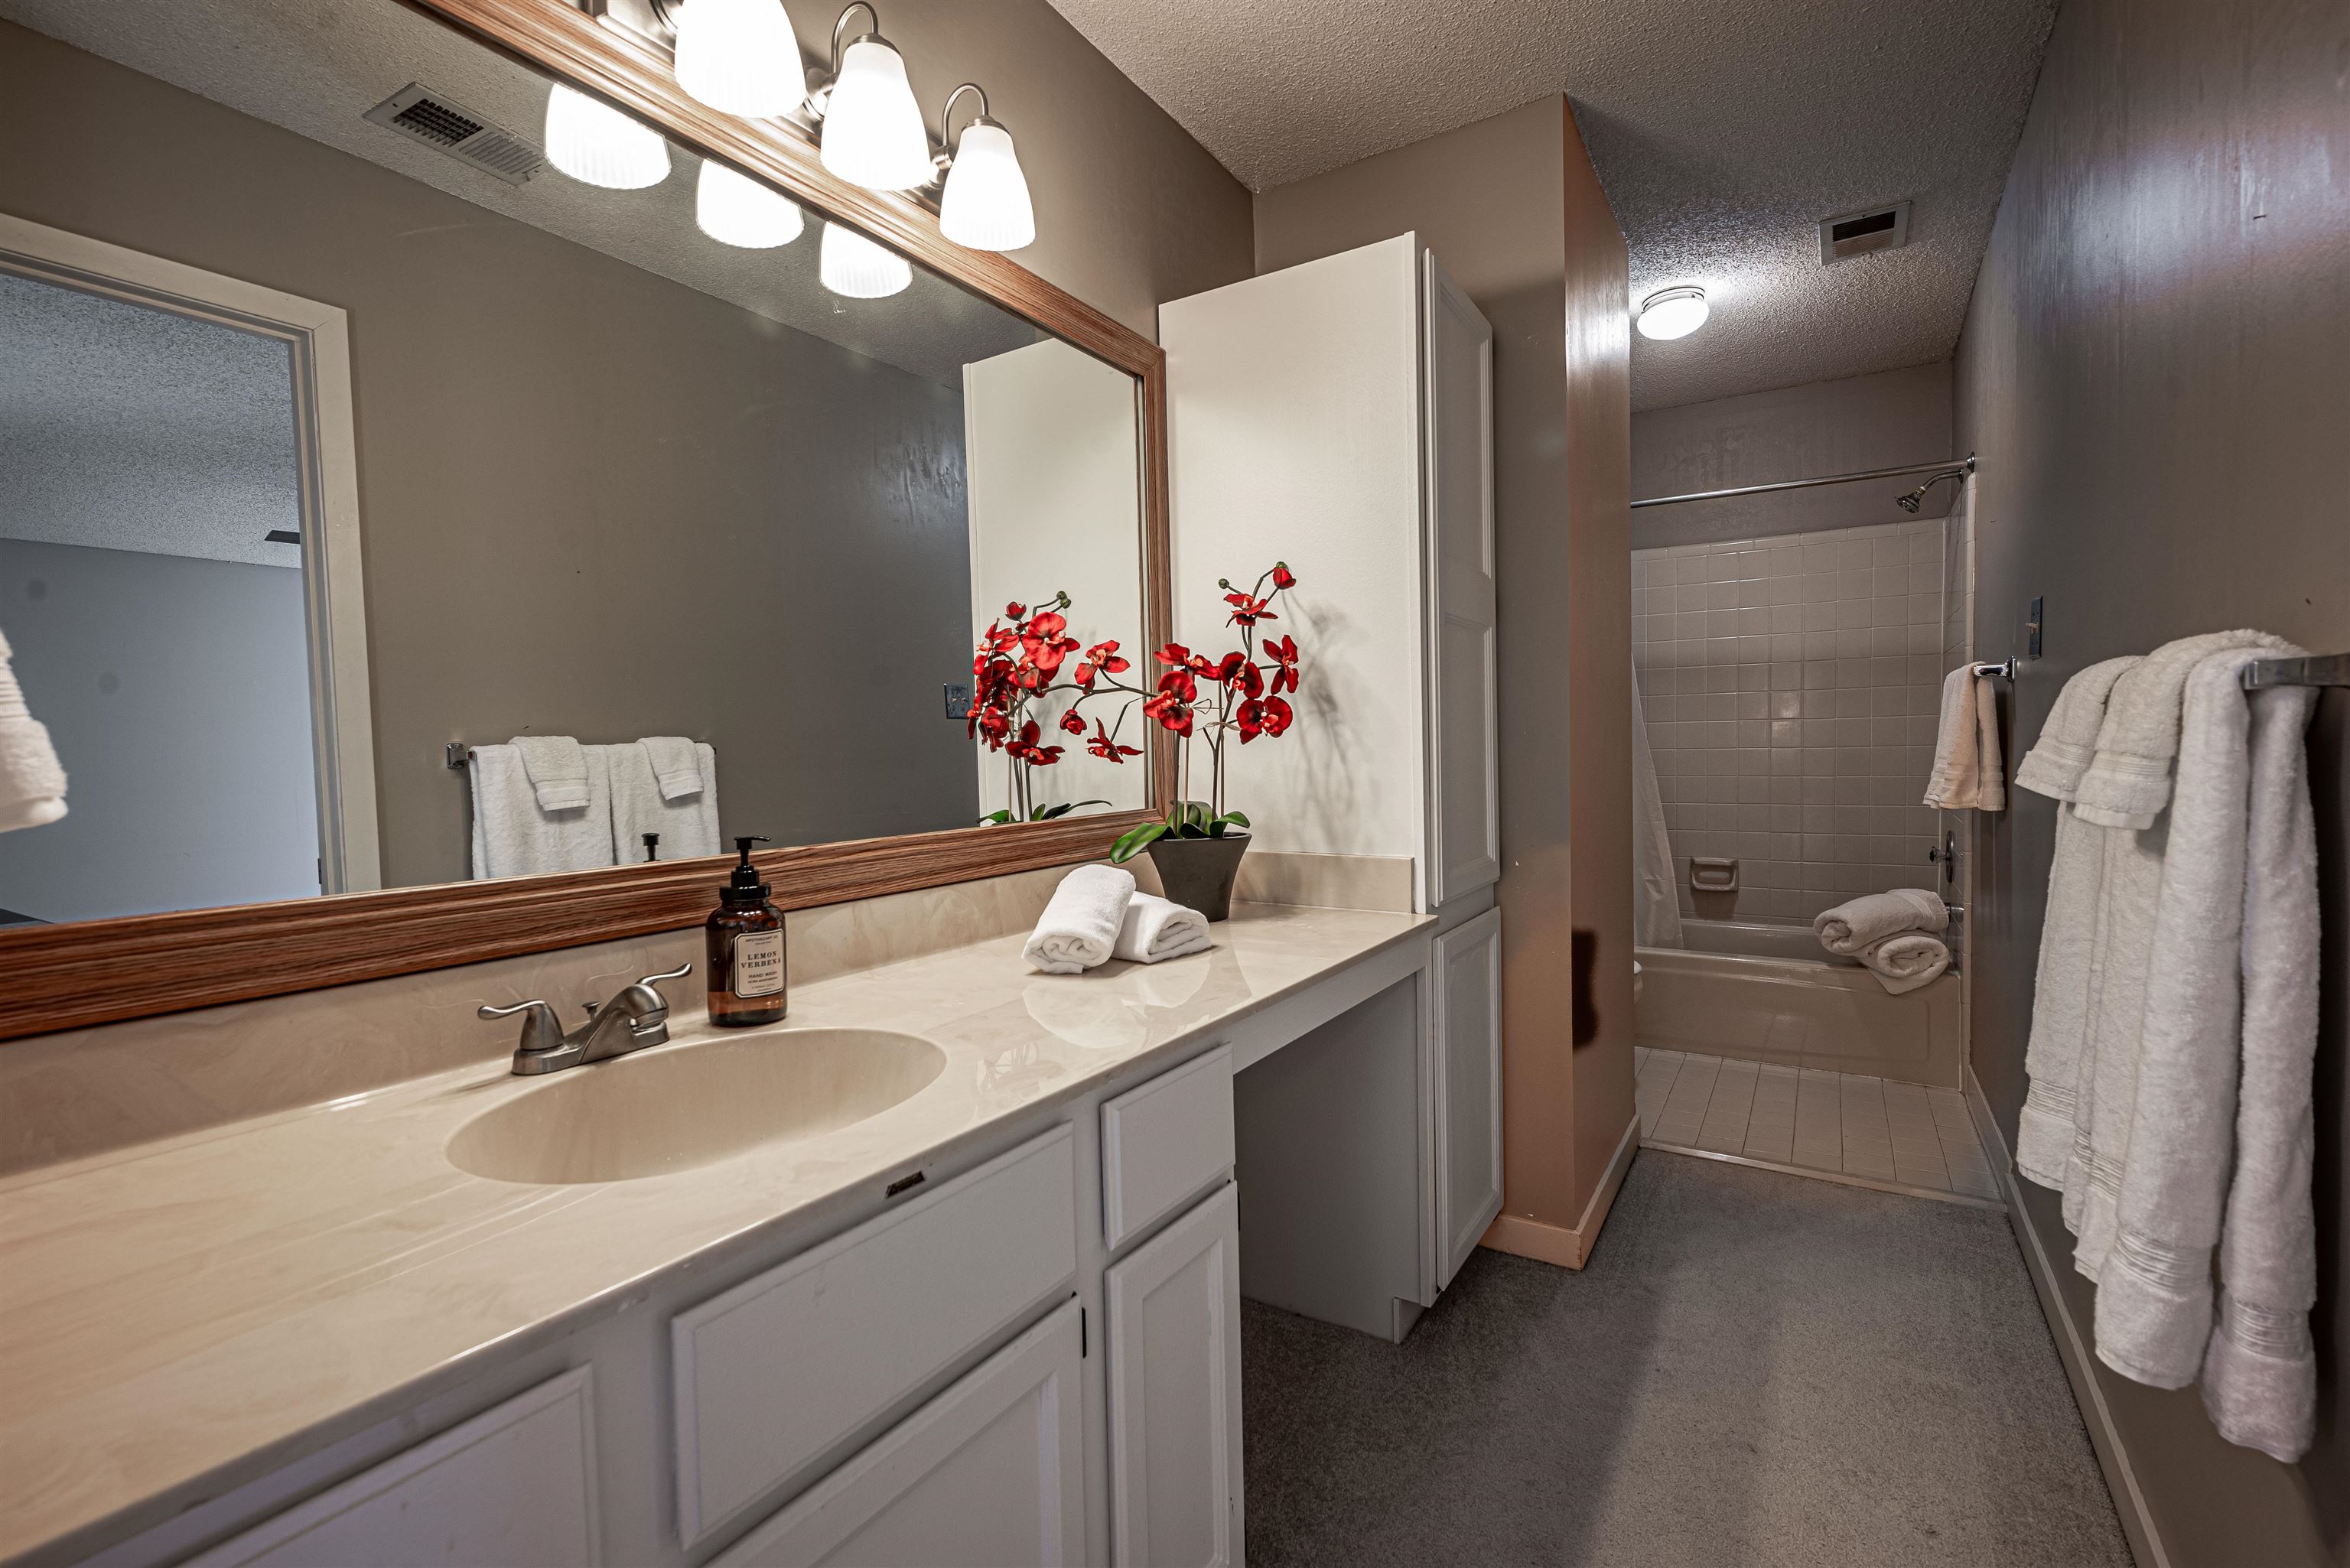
<point x="735" y="210"/>
<point x="872" y="132"/>
<point x="1672" y="313"/>
<point x="985" y="206"/>
<point x="593" y="141"/>
<point x="853" y="266"/>
<point x="739" y="57"/>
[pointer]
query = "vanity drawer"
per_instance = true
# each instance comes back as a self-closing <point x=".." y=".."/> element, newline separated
<point x="1164" y="1141"/>
<point x="776" y="1371"/>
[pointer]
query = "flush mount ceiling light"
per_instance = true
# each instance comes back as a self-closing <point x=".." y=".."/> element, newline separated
<point x="737" y="210"/>
<point x="855" y="267"/>
<point x="739" y="57"/>
<point x="1672" y="313"/>
<point x="872" y="134"/>
<point x="596" y="143"/>
<point x="986" y="204"/>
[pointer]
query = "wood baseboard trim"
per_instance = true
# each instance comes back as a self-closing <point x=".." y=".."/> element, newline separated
<point x="1570" y="1248"/>
<point x="2072" y="1348"/>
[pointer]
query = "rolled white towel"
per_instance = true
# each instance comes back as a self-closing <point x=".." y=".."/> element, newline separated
<point x="1907" y="961"/>
<point x="1850" y="927"/>
<point x="1156" y="928"/>
<point x="557" y="768"/>
<point x="1079" y="927"/>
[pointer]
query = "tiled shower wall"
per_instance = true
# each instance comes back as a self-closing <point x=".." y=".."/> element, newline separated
<point x="1789" y="686"/>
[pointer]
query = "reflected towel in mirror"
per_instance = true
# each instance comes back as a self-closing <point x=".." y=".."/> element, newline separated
<point x="642" y="803"/>
<point x="32" y="783"/>
<point x="513" y="837"/>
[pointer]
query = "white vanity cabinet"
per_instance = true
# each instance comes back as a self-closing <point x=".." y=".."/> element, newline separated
<point x="1465" y="977"/>
<point x="1338" y="415"/>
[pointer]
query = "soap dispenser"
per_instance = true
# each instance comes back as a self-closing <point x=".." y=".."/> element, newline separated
<point x="746" y="949"/>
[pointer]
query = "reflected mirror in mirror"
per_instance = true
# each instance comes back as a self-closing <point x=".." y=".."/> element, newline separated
<point x="346" y="433"/>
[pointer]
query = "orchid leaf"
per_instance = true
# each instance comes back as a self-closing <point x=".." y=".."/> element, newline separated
<point x="1133" y="841"/>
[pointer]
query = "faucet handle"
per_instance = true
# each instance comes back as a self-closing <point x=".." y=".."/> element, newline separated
<point x="680" y="972"/>
<point x="541" y="1028"/>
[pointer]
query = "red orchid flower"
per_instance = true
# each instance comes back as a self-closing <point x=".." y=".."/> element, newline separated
<point x="1249" y="681"/>
<point x="1014" y="610"/>
<point x="1108" y="749"/>
<point x="1250" y="719"/>
<point x="1248" y="609"/>
<point x="1043" y="640"/>
<point x="1104" y="656"/>
<point x="1179" y="685"/>
<point x="1174" y="653"/>
<point x="1282" y="577"/>
<point x="1276" y="717"/>
<point x="1072" y="722"/>
<point x="1283" y="652"/>
<point x="1228" y="671"/>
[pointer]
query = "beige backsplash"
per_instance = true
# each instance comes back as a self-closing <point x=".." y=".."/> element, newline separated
<point x="84" y="1092"/>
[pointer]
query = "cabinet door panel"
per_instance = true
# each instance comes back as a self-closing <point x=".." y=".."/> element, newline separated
<point x="1464" y="803"/>
<point x="1468" y="1023"/>
<point x="1164" y="1141"/>
<point x="513" y="1486"/>
<point x="1175" y="1392"/>
<point x="990" y="1474"/>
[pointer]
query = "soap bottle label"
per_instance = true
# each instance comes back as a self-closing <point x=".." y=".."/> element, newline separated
<point x="758" y="963"/>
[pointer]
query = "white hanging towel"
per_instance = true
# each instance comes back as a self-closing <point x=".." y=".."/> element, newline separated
<point x="1080" y="926"/>
<point x="558" y="767"/>
<point x="1154" y="930"/>
<point x="1903" y="962"/>
<point x="1968" y="773"/>
<point x="2060" y="1006"/>
<point x="680" y="766"/>
<point x="2129" y="781"/>
<point x="2259" y="1377"/>
<point x="2154" y="1294"/>
<point x="687" y="820"/>
<point x="32" y="783"/>
<point x="1866" y="920"/>
<point x="513" y="836"/>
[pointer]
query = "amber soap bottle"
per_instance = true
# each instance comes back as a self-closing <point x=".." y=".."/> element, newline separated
<point x="746" y="949"/>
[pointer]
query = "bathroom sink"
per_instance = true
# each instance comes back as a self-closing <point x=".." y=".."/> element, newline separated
<point x="669" y="1110"/>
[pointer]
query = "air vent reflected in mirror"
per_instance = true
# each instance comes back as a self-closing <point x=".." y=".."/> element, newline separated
<point x="464" y="135"/>
<point x="1862" y="233"/>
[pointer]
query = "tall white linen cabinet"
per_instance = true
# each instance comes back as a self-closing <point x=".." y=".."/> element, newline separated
<point x="1338" y="415"/>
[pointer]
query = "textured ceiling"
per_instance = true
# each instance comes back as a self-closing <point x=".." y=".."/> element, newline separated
<point x="1723" y="130"/>
<point x="315" y="67"/>
<point x="131" y="429"/>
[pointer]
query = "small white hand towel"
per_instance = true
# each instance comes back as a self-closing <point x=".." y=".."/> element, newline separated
<point x="1079" y="927"/>
<point x="2259" y="1377"/>
<point x="1968" y="773"/>
<point x="2128" y="781"/>
<point x="2060" y="1009"/>
<point x="558" y="769"/>
<point x="513" y="837"/>
<point x="1869" y="920"/>
<point x="677" y="764"/>
<point x="1903" y="962"/>
<point x="32" y="783"/>
<point x="1156" y="928"/>
<point x="688" y="826"/>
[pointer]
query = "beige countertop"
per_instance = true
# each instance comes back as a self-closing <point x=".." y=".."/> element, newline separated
<point x="171" y="1311"/>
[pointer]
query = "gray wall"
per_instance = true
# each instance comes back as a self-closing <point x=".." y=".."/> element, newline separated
<point x="1881" y="420"/>
<point x="177" y="692"/>
<point x="594" y="502"/>
<point x="2156" y="370"/>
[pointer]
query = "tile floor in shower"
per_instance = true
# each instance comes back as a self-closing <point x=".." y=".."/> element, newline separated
<point x="1876" y="1132"/>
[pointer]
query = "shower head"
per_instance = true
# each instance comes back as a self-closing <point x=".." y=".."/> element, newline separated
<point x="1916" y="498"/>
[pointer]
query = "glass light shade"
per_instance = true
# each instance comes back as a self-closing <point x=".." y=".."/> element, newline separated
<point x="596" y="142"/>
<point x="739" y="57"/>
<point x="986" y="204"/>
<point x="737" y="210"/>
<point x="873" y="134"/>
<point x="853" y="266"/>
<point x="1672" y="313"/>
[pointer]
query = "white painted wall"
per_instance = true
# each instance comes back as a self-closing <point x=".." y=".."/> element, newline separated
<point x="1053" y="471"/>
<point x="177" y="692"/>
<point x="1294" y="428"/>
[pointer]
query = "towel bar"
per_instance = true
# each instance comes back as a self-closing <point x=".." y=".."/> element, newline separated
<point x="2005" y="668"/>
<point x="2319" y="670"/>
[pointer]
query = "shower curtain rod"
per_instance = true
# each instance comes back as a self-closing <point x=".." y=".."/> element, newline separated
<point x="1947" y="465"/>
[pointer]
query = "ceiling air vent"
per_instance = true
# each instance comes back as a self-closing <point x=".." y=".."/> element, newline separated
<point x="459" y="133"/>
<point x="1858" y="233"/>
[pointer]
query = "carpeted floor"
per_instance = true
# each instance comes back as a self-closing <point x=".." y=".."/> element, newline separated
<point x="1754" y="1369"/>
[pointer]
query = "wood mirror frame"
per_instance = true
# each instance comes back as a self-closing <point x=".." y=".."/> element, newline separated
<point x="98" y="972"/>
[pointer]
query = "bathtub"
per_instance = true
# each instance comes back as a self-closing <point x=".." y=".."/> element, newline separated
<point x="1770" y="993"/>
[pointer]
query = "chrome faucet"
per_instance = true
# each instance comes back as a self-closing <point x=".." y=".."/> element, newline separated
<point x="636" y="1018"/>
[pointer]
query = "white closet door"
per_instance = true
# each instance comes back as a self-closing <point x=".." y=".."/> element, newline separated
<point x="1468" y="1009"/>
<point x="1175" y="1392"/>
<point x="1464" y="802"/>
<point x="990" y="1472"/>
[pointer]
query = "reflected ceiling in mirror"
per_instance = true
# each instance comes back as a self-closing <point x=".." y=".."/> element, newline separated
<point x="615" y="480"/>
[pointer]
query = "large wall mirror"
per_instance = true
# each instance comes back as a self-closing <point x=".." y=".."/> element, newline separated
<point x="357" y="461"/>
